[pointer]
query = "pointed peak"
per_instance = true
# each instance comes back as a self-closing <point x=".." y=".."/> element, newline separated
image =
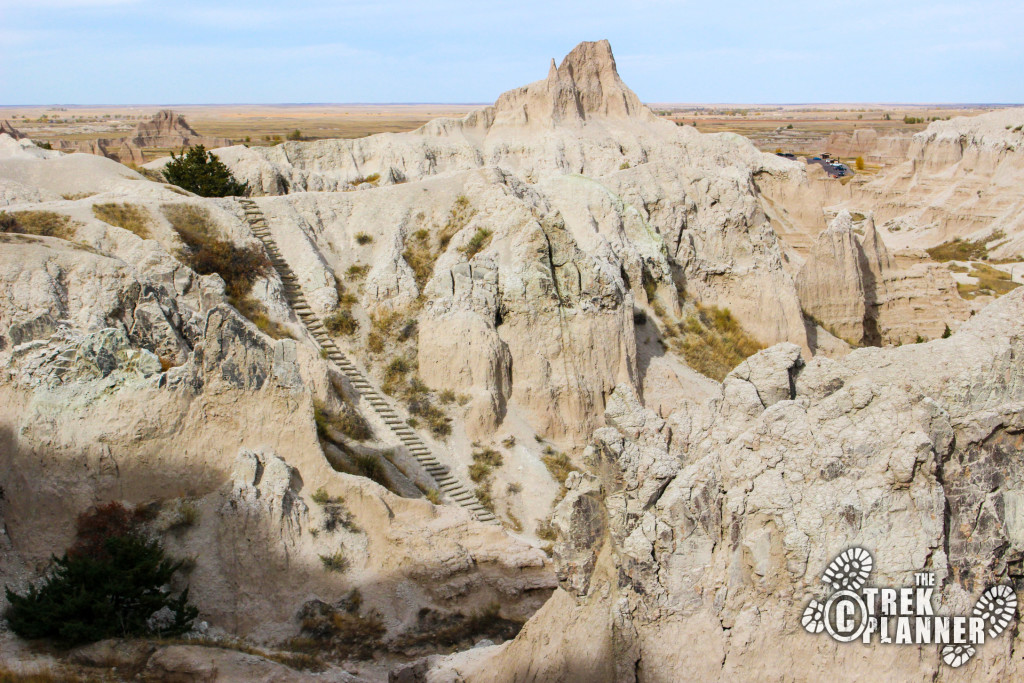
<point x="585" y="85"/>
<point x="843" y="222"/>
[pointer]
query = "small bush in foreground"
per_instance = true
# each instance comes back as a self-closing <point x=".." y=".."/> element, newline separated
<point x="341" y="322"/>
<point x="111" y="583"/>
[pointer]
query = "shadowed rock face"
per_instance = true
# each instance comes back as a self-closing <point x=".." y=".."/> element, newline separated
<point x="853" y="286"/>
<point x="6" y="127"/>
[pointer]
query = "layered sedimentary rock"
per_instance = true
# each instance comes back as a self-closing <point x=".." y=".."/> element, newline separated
<point x="959" y="179"/>
<point x="537" y="255"/>
<point x="695" y="546"/>
<point x="853" y="286"/>
<point x="169" y="130"/>
<point x="592" y="204"/>
<point x="164" y="130"/>
<point x="868" y="144"/>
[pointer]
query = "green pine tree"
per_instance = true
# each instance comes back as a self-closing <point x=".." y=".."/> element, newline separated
<point x="112" y="591"/>
<point x="199" y="171"/>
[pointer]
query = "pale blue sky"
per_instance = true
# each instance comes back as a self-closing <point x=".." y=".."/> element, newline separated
<point x="261" y="51"/>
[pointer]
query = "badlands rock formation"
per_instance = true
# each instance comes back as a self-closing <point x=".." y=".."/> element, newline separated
<point x="164" y="130"/>
<point x="959" y="179"/>
<point x="169" y="130"/>
<point x="693" y="548"/>
<point x="867" y="143"/>
<point x="530" y="273"/>
<point x="853" y="286"/>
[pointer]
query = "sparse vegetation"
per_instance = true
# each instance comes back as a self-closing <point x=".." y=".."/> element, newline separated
<point x="347" y="421"/>
<point x="433" y="496"/>
<point x="420" y="257"/>
<point x="477" y="243"/>
<point x="257" y="313"/>
<point x="484" y="462"/>
<point x="39" y="223"/>
<point x="452" y="630"/>
<point x="363" y="238"/>
<point x="201" y="172"/>
<point x="483" y="494"/>
<point x="713" y="342"/>
<point x="336" y="514"/>
<point x="372" y="179"/>
<point x="990" y="281"/>
<point x="295" y="135"/>
<point x="183" y="514"/>
<point x="546" y="531"/>
<point x="341" y="322"/>
<point x="558" y="464"/>
<point x="357" y="272"/>
<point x="461" y="213"/>
<point x="372" y="468"/>
<point x="858" y="163"/>
<point x="206" y="252"/>
<point x="127" y="216"/>
<point x="338" y="629"/>
<point x="624" y="165"/>
<point x="335" y="562"/>
<point x="481" y="471"/>
<point x="959" y="249"/>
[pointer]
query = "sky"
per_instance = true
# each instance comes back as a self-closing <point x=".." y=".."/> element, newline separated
<point x="385" y="51"/>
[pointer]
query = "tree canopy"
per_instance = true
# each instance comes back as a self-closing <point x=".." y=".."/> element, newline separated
<point x="199" y="171"/>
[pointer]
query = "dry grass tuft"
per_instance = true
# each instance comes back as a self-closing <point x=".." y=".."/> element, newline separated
<point x="39" y="223"/>
<point x="959" y="249"/>
<point x="127" y="216"/>
<point x="991" y="282"/>
<point x="477" y="243"/>
<point x="206" y="252"/>
<point x="713" y="342"/>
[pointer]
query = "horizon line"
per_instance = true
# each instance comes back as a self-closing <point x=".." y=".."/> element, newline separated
<point x="486" y="104"/>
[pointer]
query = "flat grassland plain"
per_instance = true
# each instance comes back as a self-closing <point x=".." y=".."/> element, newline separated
<point x="798" y="128"/>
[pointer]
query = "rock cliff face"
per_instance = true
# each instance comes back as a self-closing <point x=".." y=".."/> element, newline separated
<point x="854" y="287"/>
<point x="699" y="539"/>
<point x="867" y="143"/>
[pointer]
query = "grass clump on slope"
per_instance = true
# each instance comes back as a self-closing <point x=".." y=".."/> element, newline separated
<point x="127" y="216"/>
